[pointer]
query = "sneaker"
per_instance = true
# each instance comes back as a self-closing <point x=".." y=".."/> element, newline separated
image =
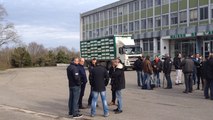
<point x="78" y="116"/>
<point x="118" y="112"/>
<point x="107" y="115"/>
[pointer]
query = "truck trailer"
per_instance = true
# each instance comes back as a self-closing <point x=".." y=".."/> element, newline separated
<point x="108" y="48"/>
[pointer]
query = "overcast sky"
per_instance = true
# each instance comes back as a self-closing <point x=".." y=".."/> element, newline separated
<point x="50" y="22"/>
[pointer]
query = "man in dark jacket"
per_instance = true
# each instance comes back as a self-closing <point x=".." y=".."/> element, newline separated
<point x="74" y="88"/>
<point x="119" y="84"/>
<point x="148" y="70"/>
<point x="99" y="79"/>
<point x="209" y="76"/>
<point x="157" y="68"/>
<point x="83" y="78"/>
<point x="167" y="67"/>
<point x="92" y="65"/>
<point x="197" y="62"/>
<point x="111" y="71"/>
<point x="188" y="65"/>
<point x="138" y="66"/>
<point x="177" y="62"/>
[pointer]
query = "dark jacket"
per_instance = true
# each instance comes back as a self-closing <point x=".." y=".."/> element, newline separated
<point x="99" y="78"/>
<point x="209" y="69"/>
<point x="167" y="66"/>
<point x="147" y="67"/>
<point x="197" y="63"/>
<point x="82" y="74"/>
<point x="177" y="63"/>
<point x="187" y="65"/>
<point x="73" y="75"/>
<point x="138" y="65"/>
<point x="119" y="78"/>
<point x="90" y="72"/>
<point x="157" y="66"/>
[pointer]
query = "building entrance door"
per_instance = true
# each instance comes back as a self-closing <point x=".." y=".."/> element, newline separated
<point x="207" y="48"/>
<point x="187" y="48"/>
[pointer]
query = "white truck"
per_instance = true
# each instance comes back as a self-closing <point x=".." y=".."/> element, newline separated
<point x="107" y="48"/>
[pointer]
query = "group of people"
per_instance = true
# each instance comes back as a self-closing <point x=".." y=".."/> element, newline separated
<point x="195" y="69"/>
<point x="148" y="72"/>
<point x="98" y="78"/>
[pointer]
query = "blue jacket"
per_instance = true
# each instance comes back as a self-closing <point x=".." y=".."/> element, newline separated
<point x="82" y="73"/>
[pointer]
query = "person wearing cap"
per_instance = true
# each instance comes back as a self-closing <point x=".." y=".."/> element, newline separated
<point x="167" y="68"/>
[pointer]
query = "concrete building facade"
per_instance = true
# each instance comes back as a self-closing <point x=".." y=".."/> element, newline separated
<point x="158" y="26"/>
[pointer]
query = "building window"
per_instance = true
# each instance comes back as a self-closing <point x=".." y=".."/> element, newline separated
<point x="101" y="32"/>
<point x="150" y="3"/>
<point x="125" y="9"/>
<point x="110" y="13"/>
<point x="157" y="2"/>
<point x="101" y="16"/>
<point x="174" y="18"/>
<point x="158" y="45"/>
<point x="131" y="7"/>
<point x="90" y="34"/>
<point x="151" y="45"/>
<point x="150" y="22"/>
<point x="97" y="17"/>
<point x="106" y="14"/>
<point x="165" y="20"/>
<point x="165" y="2"/>
<point x="143" y="4"/>
<point x="120" y="29"/>
<point x="125" y="27"/>
<point x="137" y="5"/>
<point x="173" y="1"/>
<point x="157" y="21"/>
<point x="94" y="18"/>
<point x="183" y="17"/>
<point x="90" y="19"/>
<point x="145" y="46"/>
<point x="94" y="34"/>
<point x="110" y="30"/>
<point x="212" y="11"/>
<point x="115" y="30"/>
<point x="97" y="32"/>
<point x="131" y="26"/>
<point x="204" y="13"/>
<point x="115" y="12"/>
<point x="143" y="24"/>
<point x="193" y="15"/>
<point x="137" y="25"/>
<point x="120" y="11"/>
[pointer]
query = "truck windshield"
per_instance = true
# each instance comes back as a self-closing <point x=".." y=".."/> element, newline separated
<point x="132" y="50"/>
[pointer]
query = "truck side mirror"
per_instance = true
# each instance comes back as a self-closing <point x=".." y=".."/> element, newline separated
<point x="120" y="50"/>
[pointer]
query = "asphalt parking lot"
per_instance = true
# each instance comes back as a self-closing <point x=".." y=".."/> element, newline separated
<point x="42" y="94"/>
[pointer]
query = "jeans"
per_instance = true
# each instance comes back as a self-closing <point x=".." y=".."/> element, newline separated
<point x="83" y="86"/>
<point x="90" y="97"/>
<point x="119" y="99"/>
<point x="157" y="78"/>
<point x="147" y="78"/>
<point x="188" y="82"/>
<point x="94" y="102"/>
<point x="168" y="79"/>
<point x="73" y="100"/>
<point x="178" y="76"/>
<point x="139" y="78"/>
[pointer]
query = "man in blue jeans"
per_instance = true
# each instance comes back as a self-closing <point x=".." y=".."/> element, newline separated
<point x="138" y="66"/>
<point x="74" y="88"/>
<point x="99" y="81"/>
<point x="119" y="84"/>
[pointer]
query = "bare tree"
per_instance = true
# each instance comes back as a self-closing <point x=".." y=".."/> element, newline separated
<point x="36" y="51"/>
<point x="8" y="33"/>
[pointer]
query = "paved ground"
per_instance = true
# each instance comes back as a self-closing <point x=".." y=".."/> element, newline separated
<point x="42" y="94"/>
